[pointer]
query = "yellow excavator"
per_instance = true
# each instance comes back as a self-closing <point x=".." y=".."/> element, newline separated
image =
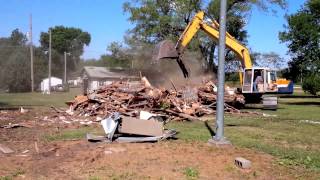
<point x="255" y="81"/>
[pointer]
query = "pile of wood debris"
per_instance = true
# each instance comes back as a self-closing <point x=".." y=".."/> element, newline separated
<point x="130" y="98"/>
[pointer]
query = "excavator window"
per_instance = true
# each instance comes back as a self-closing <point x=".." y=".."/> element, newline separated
<point x="247" y="81"/>
<point x="258" y="81"/>
<point x="254" y="81"/>
<point x="273" y="76"/>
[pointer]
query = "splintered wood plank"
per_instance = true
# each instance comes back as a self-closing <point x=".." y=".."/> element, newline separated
<point x="5" y="149"/>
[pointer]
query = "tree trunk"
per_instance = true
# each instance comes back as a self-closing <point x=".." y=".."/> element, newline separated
<point x="212" y="65"/>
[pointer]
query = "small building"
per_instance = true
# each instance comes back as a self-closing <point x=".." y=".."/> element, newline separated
<point x="95" y="77"/>
<point x="44" y="86"/>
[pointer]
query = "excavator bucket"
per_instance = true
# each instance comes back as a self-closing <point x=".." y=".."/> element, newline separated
<point x="165" y="50"/>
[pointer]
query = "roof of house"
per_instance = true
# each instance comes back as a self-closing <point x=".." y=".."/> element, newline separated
<point x="102" y="72"/>
<point x="52" y="78"/>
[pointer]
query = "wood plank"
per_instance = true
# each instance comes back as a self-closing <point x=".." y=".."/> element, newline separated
<point x="5" y="149"/>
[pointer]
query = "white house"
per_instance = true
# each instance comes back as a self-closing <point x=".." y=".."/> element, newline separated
<point x="44" y="86"/>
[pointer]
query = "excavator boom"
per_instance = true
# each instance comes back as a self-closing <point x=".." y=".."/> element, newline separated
<point x="165" y="48"/>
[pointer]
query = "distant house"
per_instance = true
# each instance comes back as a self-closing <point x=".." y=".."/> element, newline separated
<point x="44" y="86"/>
<point x="95" y="77"/>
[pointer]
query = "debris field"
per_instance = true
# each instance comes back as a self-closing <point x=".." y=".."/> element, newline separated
<point x="129" y="99"/>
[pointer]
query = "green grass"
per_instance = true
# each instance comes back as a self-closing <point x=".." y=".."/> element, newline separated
<point x="15" y="174"/>
<point x="293" y="142"/>
<point x="37" y="99"/>
<point x="70" y="134"/>
<point x="191" y="173"/>
<point x="94" y="178"/>
<point x="284" y="136"/>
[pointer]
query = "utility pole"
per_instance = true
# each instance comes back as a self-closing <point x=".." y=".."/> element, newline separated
<point x="219" y="138"/>
<point x="50" y="39"/>
<point x="31" y="53"/>
<point x="65" y="68"/>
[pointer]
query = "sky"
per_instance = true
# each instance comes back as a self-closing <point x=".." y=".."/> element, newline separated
<point x="106" y="22"/>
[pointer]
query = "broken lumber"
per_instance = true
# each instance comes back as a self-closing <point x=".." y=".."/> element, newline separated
<point x="186" y="103"/>
<point x="5" y="149"/>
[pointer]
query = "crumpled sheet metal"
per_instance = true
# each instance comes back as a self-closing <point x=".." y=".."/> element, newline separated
<point x="167" y="134"/>
<point x="110" y="124"/>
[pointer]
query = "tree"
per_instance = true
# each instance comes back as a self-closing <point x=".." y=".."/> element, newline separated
<point x="17" y="71"/>
<point x="271" y="60"/>
<point x="118" y="51"/>
<point x="65" y="39"/>
<point x="157" y="20"/>
<point x="303" y="40"/>
<point x="17" y="38"/>
<point x="311" y="84"/>
<point x="15" y="65"/>
<point x="109" y="61"/>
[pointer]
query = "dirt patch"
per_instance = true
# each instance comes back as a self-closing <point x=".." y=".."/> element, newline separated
<point x="79" y="159"/>
<point x="168" y="160"/>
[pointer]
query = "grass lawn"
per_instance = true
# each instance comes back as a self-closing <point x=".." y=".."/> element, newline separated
<point x="37" y="99"/>
<point x="285" y="136"/>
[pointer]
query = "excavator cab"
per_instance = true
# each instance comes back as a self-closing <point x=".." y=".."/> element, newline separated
<point x="264" y="81"/>
<point x="259" y="81"/>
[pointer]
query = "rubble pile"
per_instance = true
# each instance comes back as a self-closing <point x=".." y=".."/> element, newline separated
<point x="130" y="98"/>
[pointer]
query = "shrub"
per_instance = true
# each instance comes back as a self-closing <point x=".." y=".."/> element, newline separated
<point x="311" y="84"/>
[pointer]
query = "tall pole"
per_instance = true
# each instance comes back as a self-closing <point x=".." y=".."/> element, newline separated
<point x="50" y="39"/>
<point x="65" y="68"/>
<point x="31" y="53"/>
<point x="221" y="73"/>
<point x="219" y="137"/>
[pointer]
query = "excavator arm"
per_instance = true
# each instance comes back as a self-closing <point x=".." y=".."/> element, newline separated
<point x="211" y="30"/>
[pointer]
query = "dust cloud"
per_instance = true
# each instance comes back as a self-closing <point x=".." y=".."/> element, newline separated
<point x="163" y="73"/>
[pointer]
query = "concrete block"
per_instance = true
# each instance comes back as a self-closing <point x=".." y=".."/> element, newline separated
<point x="242" y="163"/>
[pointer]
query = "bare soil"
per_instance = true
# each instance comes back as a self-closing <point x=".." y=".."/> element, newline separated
<point x="79" y="159"/>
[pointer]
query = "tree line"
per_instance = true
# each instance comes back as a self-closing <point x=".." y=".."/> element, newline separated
<point x="15" y="73"/>
<point x="156" y="20"/>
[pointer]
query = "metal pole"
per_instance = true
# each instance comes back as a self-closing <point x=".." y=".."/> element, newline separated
<point x="65" y="68"/>
<point x="219" y="137"/>
<point x="50" y="39"/>
<point x="31" y="54"/>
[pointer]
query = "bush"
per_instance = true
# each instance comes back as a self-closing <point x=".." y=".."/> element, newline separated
<point x="311" y="84"/>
